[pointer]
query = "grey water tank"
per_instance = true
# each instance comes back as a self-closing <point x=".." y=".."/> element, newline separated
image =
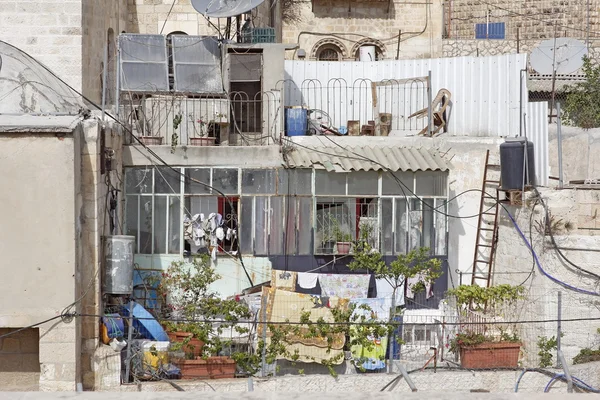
<point x="512" y="158"/>
<point x="118" y="264"/>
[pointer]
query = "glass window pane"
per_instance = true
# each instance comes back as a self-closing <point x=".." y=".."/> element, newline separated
<point x="428" y="232"/>
<point x="391" y="186"/>
<point x="261" y="234"/>
<point x="174" y="224"/>
<point x="336" y="222"/>
<point x="166" y="180"/>
<point x="440" y="227"/>
<point x="258" y="181"/>
<point x="305" y="225"/>
<point x="225" y="180"/>
<point x="138" y="180"/>
<point x="131" y="218"/>
<point x="200" y="204"/>
<point x="387" y="220"/>
<point x="145" y="225"/>
<point x="195" y="175"/>
<point x="276" y="226"/>
<point x="246" y="229"/>
<point x="291" y="222"/>
<point x="330" y="183"/>
<point x="401" y="226"/>
<point x="415" y="224"/>
<point x="431" y="183"/>
<point x="160" y="224"/>
<point x="363" y="182"/>
<point x="294" y="181"/>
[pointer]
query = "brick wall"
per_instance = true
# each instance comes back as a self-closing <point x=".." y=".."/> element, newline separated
<point x="534" y="19"/>
<point x="48" y="30"/>
<point x="348" y="25"/>
<point x="20" y="359"/>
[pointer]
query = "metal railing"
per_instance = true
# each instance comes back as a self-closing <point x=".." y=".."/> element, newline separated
<point x="240" y="119"/>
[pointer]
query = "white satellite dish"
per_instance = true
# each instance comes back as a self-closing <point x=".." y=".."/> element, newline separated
<point x="563" y="55"/>
<point x="224" y="8"/>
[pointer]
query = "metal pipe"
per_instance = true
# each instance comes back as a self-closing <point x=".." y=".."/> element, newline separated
<point x="391" y="337"/>
<point x="558" y="327"/>
<point x="559" y="144"/>
<point x="264" y="337"/>
<point x="129" y="339"/>
<point x="429" y="110"/>
<point x="565" y="368"/>
<point x="104" y="77"/>
<point x="398" y="48"/>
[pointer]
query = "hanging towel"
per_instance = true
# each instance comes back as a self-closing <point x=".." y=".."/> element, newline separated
<point x="346" y="286"/>
<point x="307" y="280"/>
<point x="385" y="291"/>
<point x="371" y="357"/>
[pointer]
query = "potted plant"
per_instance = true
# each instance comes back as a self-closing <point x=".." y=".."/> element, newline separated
<point x="201" y="131"/>
<point x="221" y="118"/>
<point x="196" y="316"/>
<point x="483" y="345"/>
<point x="343" y="239"/>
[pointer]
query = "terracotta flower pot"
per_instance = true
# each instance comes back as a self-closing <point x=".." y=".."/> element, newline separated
<point x="343" y="247"/>
<point x="150" y="140"/>
<point x="210" y="368"/>
<point x="193" y="347"/>
<point x="202" y="141"/>
<point x="490" y="355"/>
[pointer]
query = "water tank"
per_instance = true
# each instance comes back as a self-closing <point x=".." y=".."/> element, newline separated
<point x="512" y="156"/>
<point x="296" y="121"/>
<point x="367" y="53"/>
<point x="118" y="264"/>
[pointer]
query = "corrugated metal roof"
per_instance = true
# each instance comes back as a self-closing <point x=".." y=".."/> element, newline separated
<point x="357" y="158"/>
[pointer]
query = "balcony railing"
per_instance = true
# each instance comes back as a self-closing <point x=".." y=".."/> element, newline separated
<point x="239" y="119"/>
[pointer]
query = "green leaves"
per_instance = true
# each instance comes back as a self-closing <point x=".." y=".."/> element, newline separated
<point x="486" y="299"/>
<point x="582" y="107"/>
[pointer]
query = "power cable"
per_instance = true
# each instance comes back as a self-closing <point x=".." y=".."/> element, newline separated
<point x="61" y="316"/>
<point x="149" y="150"/>
<point x="167" y="17"/>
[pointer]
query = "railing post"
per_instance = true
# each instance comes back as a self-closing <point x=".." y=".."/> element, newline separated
<point x="429" y="105"/>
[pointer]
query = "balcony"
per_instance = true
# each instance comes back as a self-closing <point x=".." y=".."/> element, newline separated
<point x="239" y="119"/>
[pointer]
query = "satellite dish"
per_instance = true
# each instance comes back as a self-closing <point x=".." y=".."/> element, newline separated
<point x="224" y="8"/>
<point x="563" y="55"/>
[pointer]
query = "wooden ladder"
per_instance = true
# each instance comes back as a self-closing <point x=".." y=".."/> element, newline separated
<point x="487" y="225"/>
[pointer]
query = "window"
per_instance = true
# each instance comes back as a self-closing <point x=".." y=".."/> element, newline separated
<point x="144" y="63"/>
<point x="329" y="52"/>
<point x="367" y="53"/>
<point x="283" y="211"/>
<point x="493" y="30"/>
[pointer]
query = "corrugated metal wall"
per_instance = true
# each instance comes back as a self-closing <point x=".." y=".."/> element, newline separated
<point x="536" y="130"/>
<point x="485" y="90"/>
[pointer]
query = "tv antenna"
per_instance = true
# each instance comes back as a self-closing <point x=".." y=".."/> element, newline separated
<point x="224" y="8"/>
<point x="558" y="56"/>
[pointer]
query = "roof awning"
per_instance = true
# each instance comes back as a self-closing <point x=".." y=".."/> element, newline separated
<point x="366" y="158"/>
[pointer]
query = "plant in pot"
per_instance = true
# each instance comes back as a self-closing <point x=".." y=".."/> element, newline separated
<point x="343" y="239"/>
<point x="177" y="119"/>
<point x="221" y="118"/>
<point x="482" y="345"/>
<point x="201" y="136"/>
<point x="196" y="317"/>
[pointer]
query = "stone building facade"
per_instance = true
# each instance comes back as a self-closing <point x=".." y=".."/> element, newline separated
<point x="332" y="30"/>
<point x="536" y="19"/>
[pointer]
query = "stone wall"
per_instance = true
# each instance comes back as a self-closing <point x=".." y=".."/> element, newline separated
<point x="514" y="265"/>
<point x="534" y="19"/>
<point x="94" y="225"/>
<point x="20" y="359"/>
<point x="103" y="20"/>
<point x="50" y="31"/>
<point x="579" y="148"/>
<point x="350" y="25"/>
<point x="152" y="17"/>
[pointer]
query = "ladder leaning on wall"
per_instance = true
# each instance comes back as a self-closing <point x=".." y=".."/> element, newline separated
<point x="487" y="225"/>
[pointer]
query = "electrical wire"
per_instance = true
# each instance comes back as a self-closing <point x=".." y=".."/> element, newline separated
<point x="149" y="150"/>
<point x="61" y="316"/>
<point x="167" y="17"/>
<point x="551" y="234"/>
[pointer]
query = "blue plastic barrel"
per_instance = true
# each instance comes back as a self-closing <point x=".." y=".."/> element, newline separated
<point x="295" y="121"/>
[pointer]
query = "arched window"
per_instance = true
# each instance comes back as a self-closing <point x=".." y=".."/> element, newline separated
<point x="379" y="48"/>
<point x="329" y="53"/>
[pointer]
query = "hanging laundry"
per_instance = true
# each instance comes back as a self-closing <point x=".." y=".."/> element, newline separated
<point x="410" y="282"/>
<point x="307" y="280"/>
<point x="283" y="279"/>
<point x="372" y="356"/>
<point x="385" y="290"/>
<point x="220" y="234"/>
<point x="346" y="286"/>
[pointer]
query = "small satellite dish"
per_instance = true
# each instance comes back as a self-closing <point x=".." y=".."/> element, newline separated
<point x="563" y="55"/>
<point x="224" y="8"/>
